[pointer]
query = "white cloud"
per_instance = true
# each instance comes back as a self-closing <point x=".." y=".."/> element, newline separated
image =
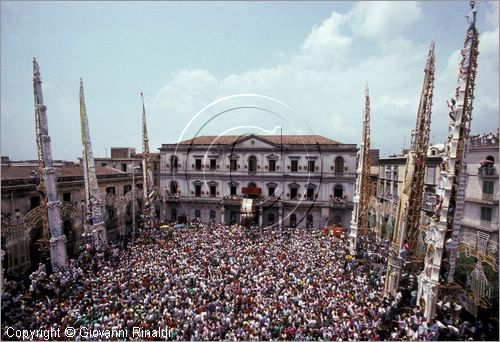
<point x="325" y="80"/>
<point x="327" y="35"/>
<point x="383" y="19"/>
<point x="492" y="14"/>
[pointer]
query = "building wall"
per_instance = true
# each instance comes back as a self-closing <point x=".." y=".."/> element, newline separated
<point x="390" y="186"/>
<point x="481" y="197"/>
<point x="323" y="179"/>
<point x="18" y="204"/>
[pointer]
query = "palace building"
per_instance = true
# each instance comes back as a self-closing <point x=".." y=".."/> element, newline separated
<point x="288" y="180"/>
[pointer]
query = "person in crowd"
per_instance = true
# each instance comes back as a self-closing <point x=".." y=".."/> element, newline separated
<point x="217" y="282"/>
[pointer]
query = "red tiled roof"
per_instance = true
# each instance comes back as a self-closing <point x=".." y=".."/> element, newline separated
<point x="24" y="172"/>
<point x="276" y="139"/>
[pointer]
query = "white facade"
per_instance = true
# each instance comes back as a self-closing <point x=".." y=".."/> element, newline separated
<point x="212" y="172"/>
<point x="481" y="194"/>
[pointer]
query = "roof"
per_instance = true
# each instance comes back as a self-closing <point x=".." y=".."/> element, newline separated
<point x="24" y="172"/>
<point x="276" y="139"/>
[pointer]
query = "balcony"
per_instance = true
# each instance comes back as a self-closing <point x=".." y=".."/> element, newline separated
<point x="487" y="171"/>
<point x="251" y="191"/>
<point x="486" y="224"/>
<point x="489" y="197"/>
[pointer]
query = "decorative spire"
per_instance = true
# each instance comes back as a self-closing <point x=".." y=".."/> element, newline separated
<point x="148" y="210"/>
<point x="95" y="222"/>
<point x="48" y="183"/>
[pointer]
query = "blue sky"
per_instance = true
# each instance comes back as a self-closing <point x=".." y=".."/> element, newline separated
<point x="313" y="56"/>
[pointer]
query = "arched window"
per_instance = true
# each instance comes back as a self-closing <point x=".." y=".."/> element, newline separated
<point x="337" y="220"/>
<point x="252" y="185"/>
<point x="309" y="221"/>
<point x="293" y="220"/>
<point x="339" y="166"/>
<point x="197" y="214"/>
<point x="212" y="214"/>
<point x="173" y="187"/>
<point x="173" y="214"/>
<point x="232" y="217"/>
<point x="338" y="191"/>
<point x="252" y="164"/>
<point x="270" y="218"/>
<point x="174" y="163"/>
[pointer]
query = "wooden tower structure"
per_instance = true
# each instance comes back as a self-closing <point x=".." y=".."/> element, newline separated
<point x="51" y="218"/>
<point x="404" y="252"/>
<point x="436" y="282"/>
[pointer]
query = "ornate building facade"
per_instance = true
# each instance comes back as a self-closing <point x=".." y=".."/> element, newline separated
<point x="389" y="187"/>
<point x="293" y="180"/>
<point x="22" y="215"/>
<point x="478" y="242"/>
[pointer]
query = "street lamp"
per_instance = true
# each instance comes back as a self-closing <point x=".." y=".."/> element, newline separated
<point x="133" y="198"/>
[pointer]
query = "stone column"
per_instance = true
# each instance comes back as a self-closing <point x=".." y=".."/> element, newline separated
<point x="222" y="214"/>
<point x="2" y="254"/>
<point x="260" y="216"/>
<point x="280" y="215"/>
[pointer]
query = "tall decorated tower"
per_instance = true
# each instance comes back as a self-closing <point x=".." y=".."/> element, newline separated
<point x="403" y="253"/>
<point x="95" y="222"/>
<point x="51" y="217"/>
<point x="359" y="223"/>
<point x="149" y="206"/>
<point x="436" y="282"/>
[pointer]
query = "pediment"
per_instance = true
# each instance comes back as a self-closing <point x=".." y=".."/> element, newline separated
<point x="255" y="142"/>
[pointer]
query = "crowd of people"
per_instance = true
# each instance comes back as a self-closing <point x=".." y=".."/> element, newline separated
<point x="217" y="282"/>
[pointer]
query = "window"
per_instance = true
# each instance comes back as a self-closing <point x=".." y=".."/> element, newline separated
<point x="486" y="214"/>
<point x="67" y="197"/>
<point x="124" y="167"/>
<point x="310" y="166"/>
<point x="488" y="187"/>
<point x="252" y="185"/>
<point x="272" y="165"/>
<point x="272" y="189"/>
<point x="104" y="164"/>
<point x="212" y="214"/>
<point x="213" y="190"/>
<point x="197" y="164"/>
<point x="174" y="163"/>
<point x="430" y="176"/>
<point x="213" y="164"/>
<point x="67" y="228"/>
<point x="233" y="164"/>
<point x="110" y="190"/>
<point x="295" y="165"/>
<point x="293" y="220"/>
<point x="310" y="194"/>
<point x="309" y="221"/>
<point x="337" y="220"/>
<point x="338" y="191"/>
<point x="173" y="187"/>
<point x="233" y="190"/>
<point x="127" y="188"/>
<point x="197" y="190"/>
<point x="232" y="217"/>
<point x="252" y="164"/>
<point x="34" y="202"/>
<point x="293" y="193"/>
<point x="197" y="214"/>
<point x="339" y="166"/>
